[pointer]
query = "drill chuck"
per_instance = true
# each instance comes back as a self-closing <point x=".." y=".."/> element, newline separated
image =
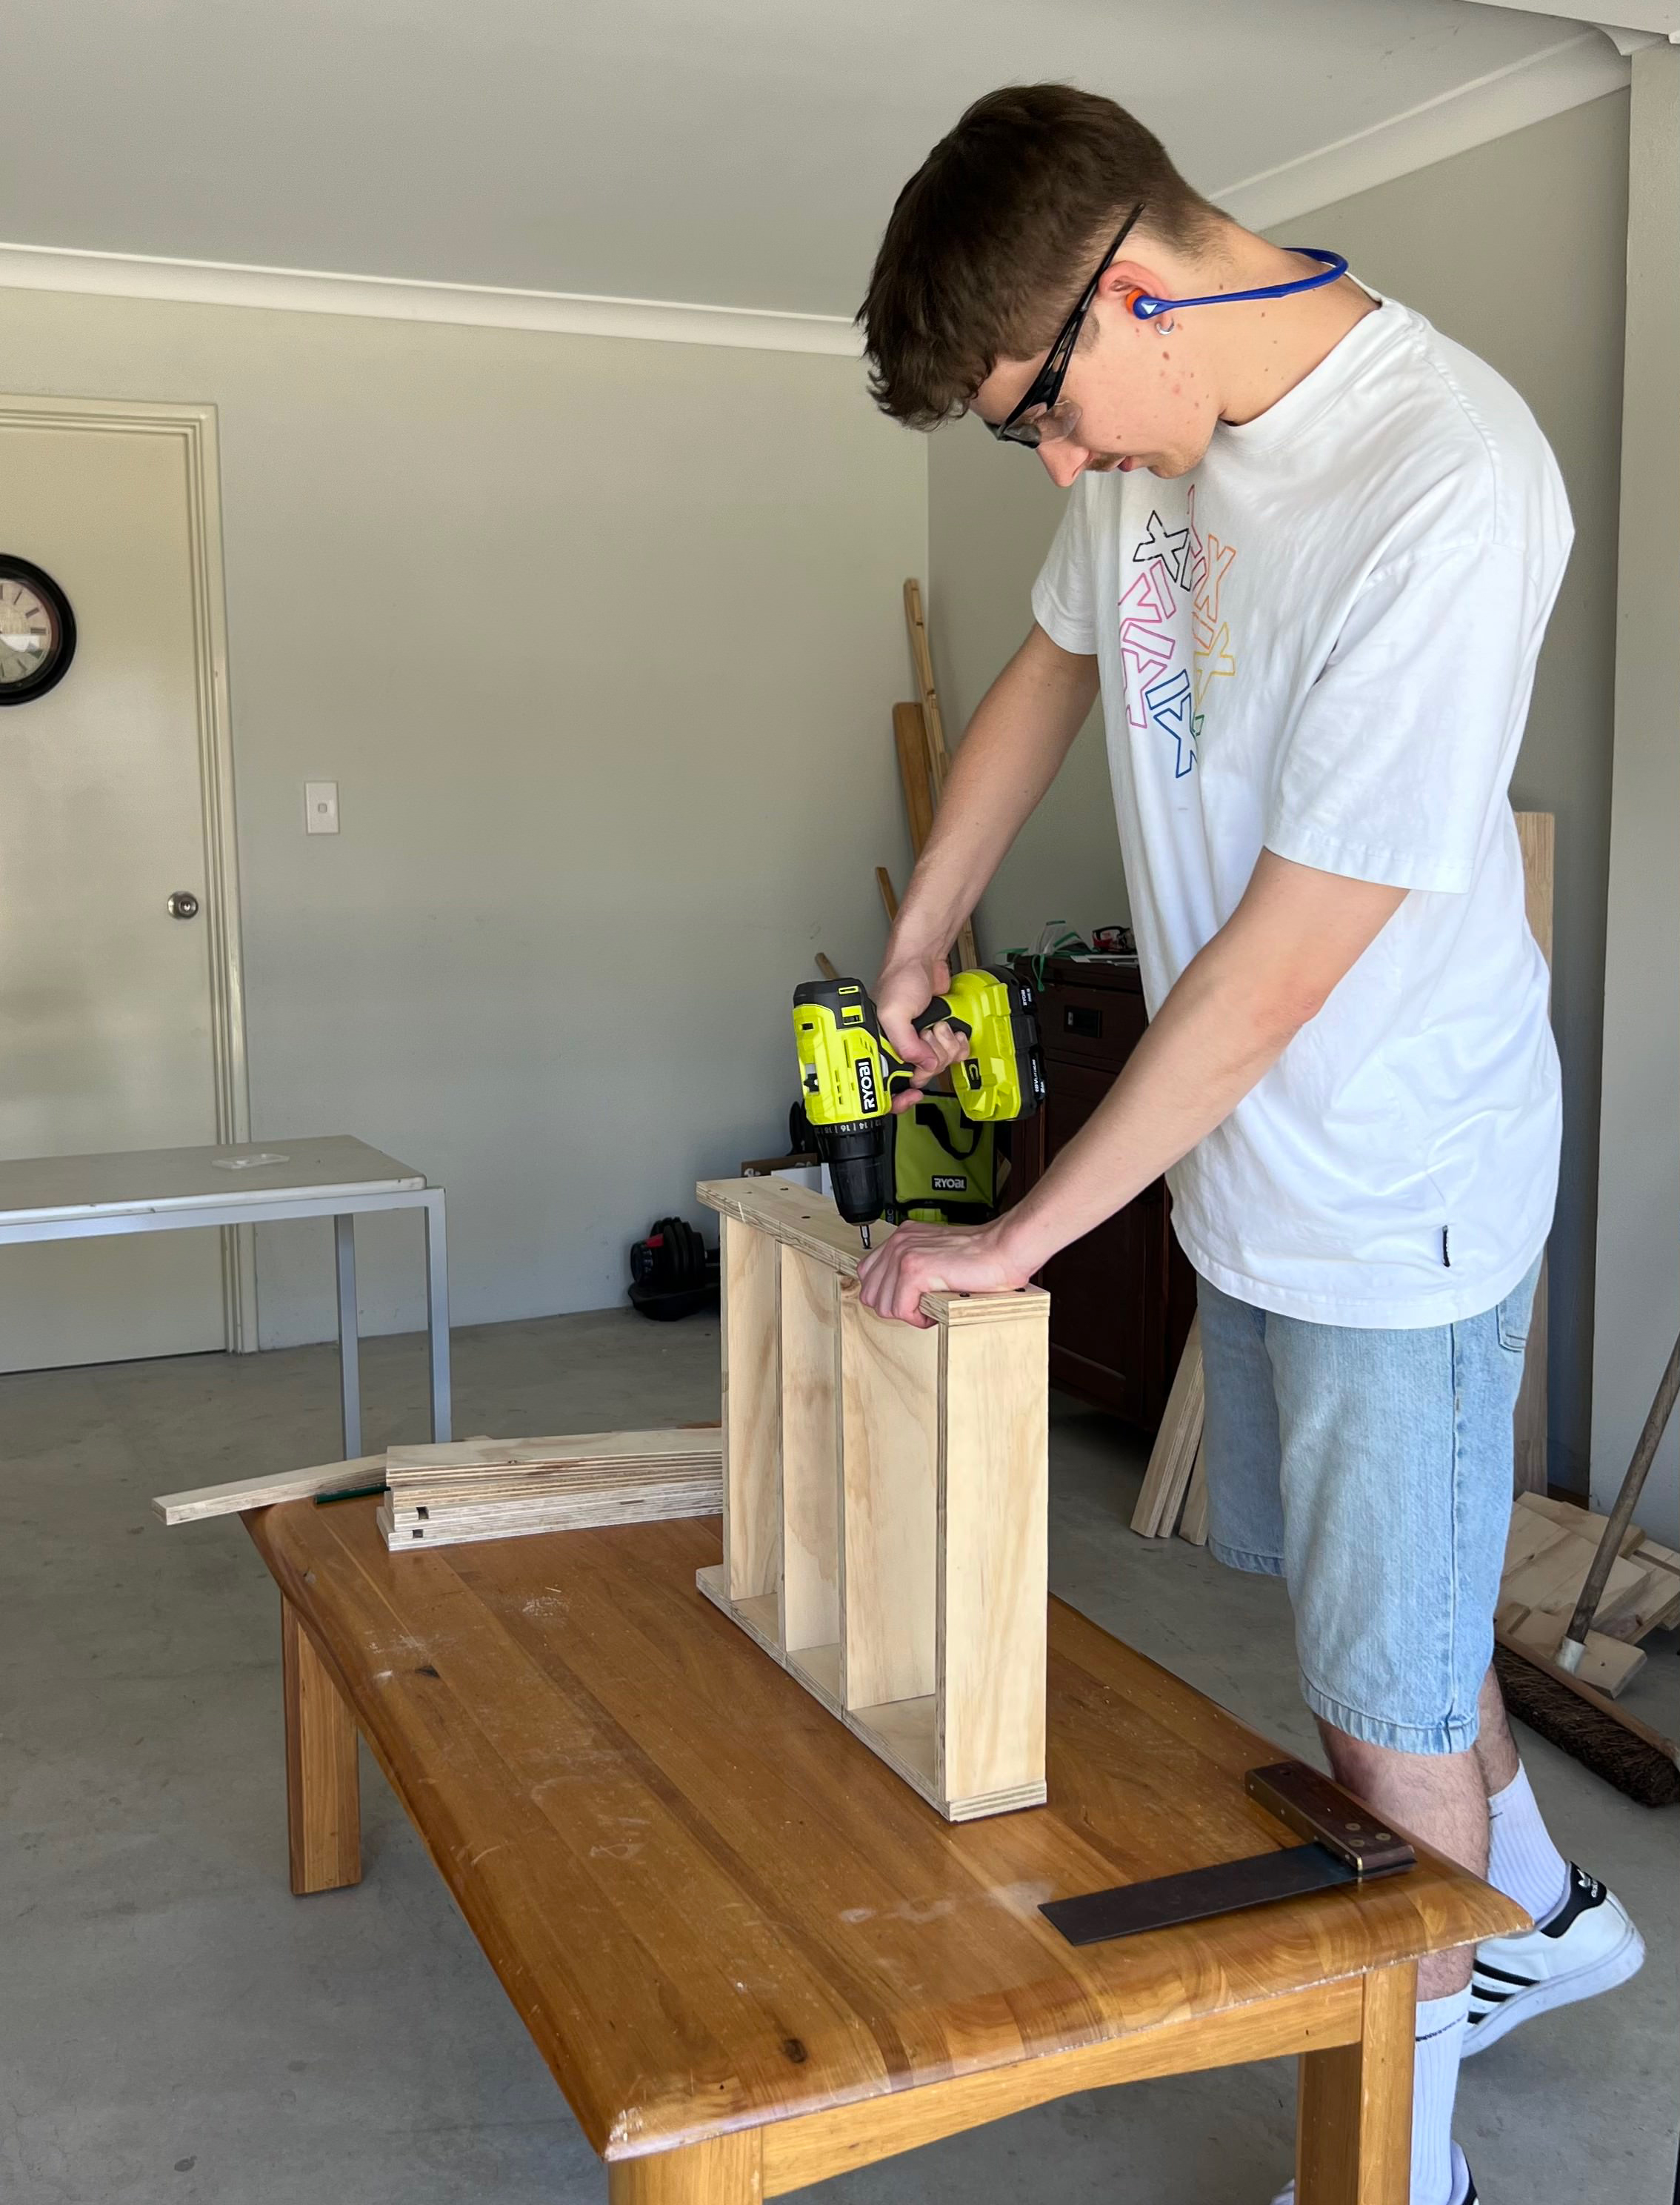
<point x="856" y="1157"/>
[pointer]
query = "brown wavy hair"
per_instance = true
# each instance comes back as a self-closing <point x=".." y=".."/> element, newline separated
<point x="994" y="238"/>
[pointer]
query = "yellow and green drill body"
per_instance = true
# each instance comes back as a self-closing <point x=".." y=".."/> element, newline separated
<point x="848" y="1075"/>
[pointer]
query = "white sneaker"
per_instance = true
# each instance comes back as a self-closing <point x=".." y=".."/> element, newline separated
<point x="1464" y="2184"/>
<point x="1589" y="1945"/>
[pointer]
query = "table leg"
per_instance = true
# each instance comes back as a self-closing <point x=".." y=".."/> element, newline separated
<point x="349" y="1350"/>
<point x="437" y="1315"/>
<point x="323" y="1819"/>
<point x="1353" y="2118"/>
<point x="726" y="2170"/>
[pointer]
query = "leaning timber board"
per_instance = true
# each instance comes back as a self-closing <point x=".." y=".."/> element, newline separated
<point x="885" y="1533"/>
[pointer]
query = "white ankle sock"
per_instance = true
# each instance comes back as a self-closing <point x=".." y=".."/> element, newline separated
<point x="1522" y="1860"/>
<point x="1438" y="2176"/>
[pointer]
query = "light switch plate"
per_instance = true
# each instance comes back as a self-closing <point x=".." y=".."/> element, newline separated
<point x="320" y="807"/>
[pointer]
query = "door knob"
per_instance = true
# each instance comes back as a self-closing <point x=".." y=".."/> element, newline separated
<point x="183" y="904"/>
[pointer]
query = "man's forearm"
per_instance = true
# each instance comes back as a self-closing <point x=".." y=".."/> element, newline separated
<point x="1012" y="752"/>
<point x="1196" y="1061"/>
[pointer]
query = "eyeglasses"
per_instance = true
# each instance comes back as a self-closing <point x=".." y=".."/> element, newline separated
<point x="1043" y="416"/>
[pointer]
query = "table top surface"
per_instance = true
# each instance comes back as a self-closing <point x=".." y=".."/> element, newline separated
<point x="713" y="1906"/>
<point x="197" y="1179"/>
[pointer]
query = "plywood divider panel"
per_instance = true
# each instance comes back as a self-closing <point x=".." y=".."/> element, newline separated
<point x="994" y="1483"/>
<point x="809" y="1453"/>
<point x="751" y="1411"/>
<point x="889" y="1454"/>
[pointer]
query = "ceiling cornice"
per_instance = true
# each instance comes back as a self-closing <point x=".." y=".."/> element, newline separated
<point x="1638" y="21"/>
<point x="298" y="290"/>
<point x="1578" y="69"/>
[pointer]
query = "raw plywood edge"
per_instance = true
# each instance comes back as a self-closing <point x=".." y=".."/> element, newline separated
<point x="996" y="1803"/>
<point x="233" y="1500"/>
<point x="681" y="1440"/>
<point x="811" y="1223"/>
<point x="1019" y="1304"/>
<point x="793" y="1216"/>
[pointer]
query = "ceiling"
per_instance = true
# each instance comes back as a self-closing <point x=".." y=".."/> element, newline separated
<point x="731" y="153"/>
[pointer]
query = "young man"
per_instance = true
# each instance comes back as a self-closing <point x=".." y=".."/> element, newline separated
<point x="1309" y="552"/>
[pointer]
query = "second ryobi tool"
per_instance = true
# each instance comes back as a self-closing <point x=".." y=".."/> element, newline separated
<point x="848" y="1076"/>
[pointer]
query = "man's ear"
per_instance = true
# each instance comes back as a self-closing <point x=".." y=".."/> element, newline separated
<point x="1129" y="279"/>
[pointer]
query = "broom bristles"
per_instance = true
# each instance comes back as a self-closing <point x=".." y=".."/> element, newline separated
<point x="1642" y="1771"/>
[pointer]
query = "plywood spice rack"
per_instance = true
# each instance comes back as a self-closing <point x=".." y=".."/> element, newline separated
<point x="885" y="1499"/>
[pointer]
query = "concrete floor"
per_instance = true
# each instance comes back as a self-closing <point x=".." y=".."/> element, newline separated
<point x="175" y="2027"/>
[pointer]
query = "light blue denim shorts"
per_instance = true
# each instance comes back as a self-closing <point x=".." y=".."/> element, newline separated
<point x="1372" y="1469"/>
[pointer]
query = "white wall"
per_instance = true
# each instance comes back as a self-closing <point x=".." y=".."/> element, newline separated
<point x="600" y="640"/>
<point x="1639" y="1163"/>
<point x="1516" y="249"/>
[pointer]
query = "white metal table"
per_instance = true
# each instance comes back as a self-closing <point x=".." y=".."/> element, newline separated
<point x="265" y="1183"/>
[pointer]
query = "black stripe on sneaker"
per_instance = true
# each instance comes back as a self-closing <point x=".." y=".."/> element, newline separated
<point x="1495" y="1998"/>
<point x="1504" y="1974"/>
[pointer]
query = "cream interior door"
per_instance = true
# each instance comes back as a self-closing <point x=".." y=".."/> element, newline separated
<point x="106" y="1007"/>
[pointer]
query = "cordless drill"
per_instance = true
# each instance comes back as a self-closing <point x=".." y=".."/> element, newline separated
<point x="848" y="1076"/>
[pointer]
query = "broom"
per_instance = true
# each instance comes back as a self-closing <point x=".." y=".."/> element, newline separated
<point x="1551" y="1699"/>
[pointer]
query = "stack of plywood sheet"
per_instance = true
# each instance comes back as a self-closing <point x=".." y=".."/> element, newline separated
<point x="498" y="1489"/>
<point x="1548" y="1552"/>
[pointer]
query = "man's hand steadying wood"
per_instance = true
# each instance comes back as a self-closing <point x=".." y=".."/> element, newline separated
<point x="1238" y="1005"/>
<point x="933" y="1259"/>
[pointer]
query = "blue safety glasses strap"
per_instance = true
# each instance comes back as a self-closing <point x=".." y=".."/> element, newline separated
<point x="1334" y="268"/>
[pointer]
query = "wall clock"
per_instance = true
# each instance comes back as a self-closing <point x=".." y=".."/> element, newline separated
<point x="38" y="631"/>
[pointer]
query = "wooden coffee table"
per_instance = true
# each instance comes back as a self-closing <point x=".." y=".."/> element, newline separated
<point x="751" y="1955"/>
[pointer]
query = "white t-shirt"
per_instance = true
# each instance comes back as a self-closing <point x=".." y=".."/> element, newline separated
<point x="1323" y="641"/>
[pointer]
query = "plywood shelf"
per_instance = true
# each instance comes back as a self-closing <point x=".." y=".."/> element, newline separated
<point x="904" y="1732"/>
<point x="885" y="1499"/>
<point x="759" y="1617"/>
<point x="819" y="1666"/>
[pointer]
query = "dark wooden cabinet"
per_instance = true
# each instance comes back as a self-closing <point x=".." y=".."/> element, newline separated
<point x="1123" y="1295"/>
